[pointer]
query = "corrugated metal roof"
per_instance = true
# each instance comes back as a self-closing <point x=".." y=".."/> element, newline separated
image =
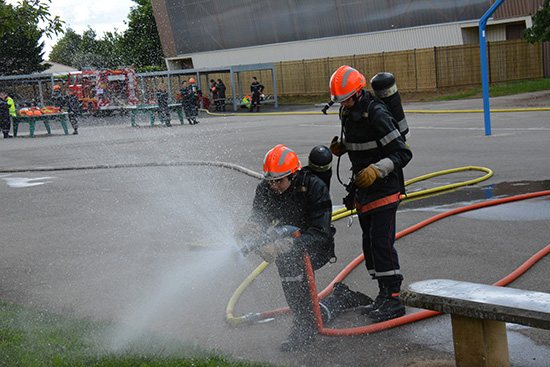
<point x="376" y="42"/>
<point x="516" y="8"/>
<point x="209" y="25"/>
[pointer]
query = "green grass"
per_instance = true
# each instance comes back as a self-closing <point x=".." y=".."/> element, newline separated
<point x="34" y="338"/>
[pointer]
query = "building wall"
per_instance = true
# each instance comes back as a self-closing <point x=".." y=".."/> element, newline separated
<point x="370" y="43"/>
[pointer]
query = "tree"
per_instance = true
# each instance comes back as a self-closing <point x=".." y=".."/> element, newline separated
<point x="28" y="12"/>
<point x="139" y="45"/>
<point x="64" y="51"/>
<point x="540" y="31"/>
<point x="19" y="36"/>
<point x="141" y="41"/>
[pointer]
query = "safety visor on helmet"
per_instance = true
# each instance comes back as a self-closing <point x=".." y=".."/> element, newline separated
<point x="345" y="82"/>
<point x="280" y="162"/>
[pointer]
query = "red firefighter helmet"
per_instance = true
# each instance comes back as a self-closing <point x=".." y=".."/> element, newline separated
<point x="345" y="82"/>
<point x="56" y="86"/>
<point x="280" y="162"/>
<point x="192" y="80"/>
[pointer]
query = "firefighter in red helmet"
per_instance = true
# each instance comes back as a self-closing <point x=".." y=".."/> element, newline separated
<point x="292" y="196"/>
<point x="378" y="154"/>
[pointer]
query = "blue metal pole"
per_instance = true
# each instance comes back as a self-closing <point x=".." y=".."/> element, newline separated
<point x="484" y="71"/>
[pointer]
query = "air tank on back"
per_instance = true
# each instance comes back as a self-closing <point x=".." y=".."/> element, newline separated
<point x="384" y="87"/>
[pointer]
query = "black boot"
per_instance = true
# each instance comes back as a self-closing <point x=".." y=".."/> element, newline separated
<point x="342" y="299"/>
<point x="303" y="330"/>
<point x="388" y="306"/>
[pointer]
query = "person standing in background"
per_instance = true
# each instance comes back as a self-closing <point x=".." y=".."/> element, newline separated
<point x="256" y="88"/>
<point x="162" y="101"/>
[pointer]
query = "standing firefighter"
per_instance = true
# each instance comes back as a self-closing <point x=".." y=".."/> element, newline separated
<point x="57" y="97"/>
<point x="377" y="153"/>
<point x="73" y="104"/>
<point x="189" y="101"/>
<point x="221" y="93"/>
<point x="256" y="88"/>
<point x="291" y="196"/>
<point x="162" y="101"/>
<point x="214" y="94"/>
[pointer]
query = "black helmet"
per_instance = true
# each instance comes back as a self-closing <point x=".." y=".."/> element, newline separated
<point x="320" y="159"/>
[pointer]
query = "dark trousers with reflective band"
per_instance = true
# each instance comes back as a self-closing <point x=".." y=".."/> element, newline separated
<point x="378" y="243"/>
<point x="295" y="284"/>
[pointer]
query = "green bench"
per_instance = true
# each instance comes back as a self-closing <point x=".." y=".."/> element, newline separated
<point x="152" y="111"/>
<point x="479" y="314"/>
<point x="45" y="118"/>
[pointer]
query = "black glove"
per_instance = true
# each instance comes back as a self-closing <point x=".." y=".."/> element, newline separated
<point x="324" y="110"/>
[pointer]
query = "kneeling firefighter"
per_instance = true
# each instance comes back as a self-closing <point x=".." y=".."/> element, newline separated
<point x="296" y="203"/>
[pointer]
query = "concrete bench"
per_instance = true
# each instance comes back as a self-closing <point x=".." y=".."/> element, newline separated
<point x="479" y="313"/>
<point x="45" y="118"/>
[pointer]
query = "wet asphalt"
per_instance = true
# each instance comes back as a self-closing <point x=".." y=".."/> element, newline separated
<point x="134" y="224"/>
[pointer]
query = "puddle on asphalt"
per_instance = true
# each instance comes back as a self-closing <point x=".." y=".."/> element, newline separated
<point x="523" y="210"/>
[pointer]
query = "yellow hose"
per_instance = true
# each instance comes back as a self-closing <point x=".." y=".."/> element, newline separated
<point x="343" y="212"/>
<point x="236" y="321"/>
<point x="407" y="111"/>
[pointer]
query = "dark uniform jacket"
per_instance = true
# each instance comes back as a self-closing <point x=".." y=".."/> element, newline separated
<point x="4" y="110"/>
<point x="370" y="134"/>
<point x="306" y="204"/>
<point x="162" y="99"/>
<point x="220" y="88"/>
<point x="73" y="104"/>
<point x="256" y="88"/>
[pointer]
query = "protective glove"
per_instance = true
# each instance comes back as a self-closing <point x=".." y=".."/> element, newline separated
<point x="367" y="176"/>
<point x="248" y="232"/>
<point x="337" y="147"/>
<point x="284" y="245"/>
<point x="324" y="110"/>
<point x="270" y="251"/>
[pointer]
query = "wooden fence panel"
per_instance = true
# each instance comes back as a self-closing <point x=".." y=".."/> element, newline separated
<point x="458" y="66"/>
<point x="425" y="70"/>
<point x="421" y="69"/>
<point x="370" y="65"/>
<point x="401" y="65"/>
<point x="514" y="60"/>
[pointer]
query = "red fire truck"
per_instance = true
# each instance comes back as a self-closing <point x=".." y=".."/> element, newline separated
<point x="104" y="90"/>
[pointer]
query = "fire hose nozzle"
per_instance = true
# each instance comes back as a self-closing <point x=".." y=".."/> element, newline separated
<point x="250" y="318"/>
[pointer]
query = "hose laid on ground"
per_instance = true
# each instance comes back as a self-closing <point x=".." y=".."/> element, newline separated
<point x="407" y="318"/>
<point x="341" y="213"/>
<point x="406" y="111"/>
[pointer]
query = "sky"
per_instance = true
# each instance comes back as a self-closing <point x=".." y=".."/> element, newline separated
<point x="101" y="15"/>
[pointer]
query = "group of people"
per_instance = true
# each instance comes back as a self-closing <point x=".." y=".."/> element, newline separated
<point x="299" y="196"/>
<point x="8" y="112"/>
<point x="191" y="96"/>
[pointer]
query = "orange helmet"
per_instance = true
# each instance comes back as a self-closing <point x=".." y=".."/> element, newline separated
<point x="56" y="87"/>
<point x="192" y="80"/>
<point x="280" y="162"/>
<point x="345" y="82"/>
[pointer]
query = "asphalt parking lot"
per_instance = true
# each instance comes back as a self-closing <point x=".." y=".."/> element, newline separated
<point x="135" y="224"/>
